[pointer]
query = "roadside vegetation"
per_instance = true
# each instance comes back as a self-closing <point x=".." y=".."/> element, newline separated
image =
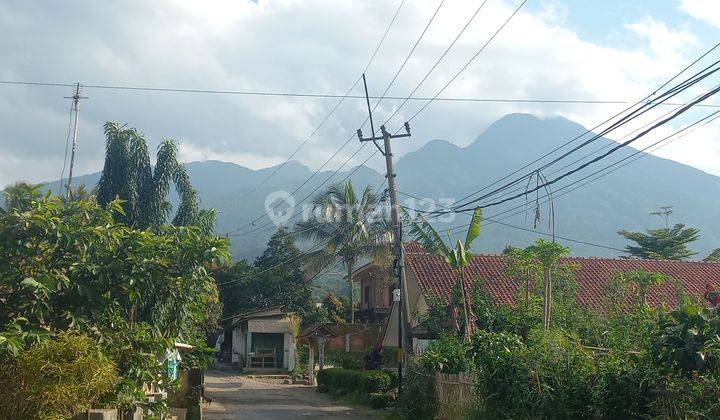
<point x="95" y="289"/>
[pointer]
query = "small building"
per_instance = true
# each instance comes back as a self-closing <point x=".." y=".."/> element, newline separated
<point x="262" y="339"/>
<point x="376" y="288"/>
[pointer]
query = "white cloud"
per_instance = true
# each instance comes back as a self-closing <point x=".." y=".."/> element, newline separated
<point x="308" y="46"/>
<point x="705" y="10"/>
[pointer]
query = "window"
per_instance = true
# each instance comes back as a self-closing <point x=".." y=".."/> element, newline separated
<point x="367" y="296"/>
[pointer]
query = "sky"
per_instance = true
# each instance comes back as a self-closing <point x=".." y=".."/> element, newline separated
<point x="616" y="50"/>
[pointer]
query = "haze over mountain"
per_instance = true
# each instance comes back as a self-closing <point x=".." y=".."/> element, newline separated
<point x="439" y="169"/>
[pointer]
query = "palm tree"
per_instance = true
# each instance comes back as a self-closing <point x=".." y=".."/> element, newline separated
<point x="344" y="223"/>
<point x="127" y="174"/>
<point x="458" y="257"/>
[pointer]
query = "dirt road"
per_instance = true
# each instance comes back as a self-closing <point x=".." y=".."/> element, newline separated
<point x="238" y="397"/>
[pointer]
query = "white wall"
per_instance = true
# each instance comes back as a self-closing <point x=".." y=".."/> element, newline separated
<point x="289" y="346"/>
<point x="239" y="345"/>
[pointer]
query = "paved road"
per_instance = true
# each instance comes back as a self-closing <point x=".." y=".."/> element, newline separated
<point x="237" y="397"/>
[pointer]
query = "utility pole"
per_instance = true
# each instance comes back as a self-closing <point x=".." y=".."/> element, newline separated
<point x="76" y="107"/>
<point x="395" y="220"/>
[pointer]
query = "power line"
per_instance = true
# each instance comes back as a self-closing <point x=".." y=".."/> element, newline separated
<point x="604" y="155"/>
<point x="638" y="154"/>
<point x="493" y="220"/>
<point x="354" y="97"/>
<point x="467" y="64"/>
<point x="402" y="66"/>
<point x="645" y="100"/>
<point x="67" y="145"/>
<point x="334" y="108"/>
<point x="624" y="120"/>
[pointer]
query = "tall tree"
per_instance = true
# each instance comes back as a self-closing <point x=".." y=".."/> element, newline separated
<point x="128" y="175"/>
<point x="279" y="272"/>
<point x="665" y="243"/>
<point x="275" y="279"/>
<point x="345" y="223"/>
<point x="668" y="243"/>
<point x="458" y="257"/>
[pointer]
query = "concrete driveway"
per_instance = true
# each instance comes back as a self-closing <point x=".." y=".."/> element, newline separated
<point x="238" y="397"/>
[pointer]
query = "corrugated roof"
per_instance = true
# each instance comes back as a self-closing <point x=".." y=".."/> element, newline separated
<point x="433" y="274"/>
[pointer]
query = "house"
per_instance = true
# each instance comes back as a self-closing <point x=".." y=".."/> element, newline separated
<point x="260" y="339"/>
<point x="376" y="288"/>
<point x="426" y="273"/>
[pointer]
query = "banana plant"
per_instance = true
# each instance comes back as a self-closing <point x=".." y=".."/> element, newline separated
<point x="458" y="257"/>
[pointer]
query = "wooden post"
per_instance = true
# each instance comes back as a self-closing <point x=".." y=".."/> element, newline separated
<point x="311" y="366"/>
<point x="347" y="343"/>
<point x="321" y="352"/>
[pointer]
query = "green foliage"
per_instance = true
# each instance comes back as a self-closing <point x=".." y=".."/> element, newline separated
<point x="335" y="308"/>
<point x="436" y="320"/>
<point x="714" y="256"/>
<point x="689" y="340"/>
<point x="457" y="257"/>
<point x="128" y="175"/>
<point x="448" y="354"/>
<point x="417" y="400"/>
<point x="55" y="379"/>
<point x="633" y="282"/>
<point x="345" y="381"/>
<point x="70" y="266"/>
<point x="21" y="195"/>
<point x="351" y="232"/>
<point x="665" y="243"/>
<point x="539" y="272"/>
<point x="275" y="279"/>
<point x="379" y="400"/>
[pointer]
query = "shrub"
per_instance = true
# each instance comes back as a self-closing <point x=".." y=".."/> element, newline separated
<point x="504" y="375"/>
<point x="448" y="354"/>
<point x="378" y="400"/>
<point x="417" y="400"/>
<point x="348" y="380"/>
<point x="55" y="379"/>
<point x="352" y="361"/>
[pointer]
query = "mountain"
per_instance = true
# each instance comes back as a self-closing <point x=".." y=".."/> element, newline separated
<point x="439" y="169"/>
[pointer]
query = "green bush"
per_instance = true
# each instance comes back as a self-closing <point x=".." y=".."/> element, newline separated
<point x="378" y="400"/>
<point x="448" y="354"/>
<point x="343" y="381"/>
<point x="54" y="379"/>
<point x="417" y="400"/>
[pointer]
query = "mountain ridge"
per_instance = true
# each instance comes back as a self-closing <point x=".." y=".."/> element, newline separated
<point x="441" y="169"/>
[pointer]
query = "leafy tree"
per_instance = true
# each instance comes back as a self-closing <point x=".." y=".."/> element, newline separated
<point x="344" y="222"/>
<point x="280" y="275"/>
<point x="20" y="195"/>
<point x="636" y="282"/>
<point x="668" y="243"/>
<point x="69" y="266"/>
<point x="275" y="279"/>
<point x="458" y="257"/>
<point x="236" y="295"/>
<point x="128" y="175"/>
<point x="335" y="309"/>
<point x="714" y="256"/>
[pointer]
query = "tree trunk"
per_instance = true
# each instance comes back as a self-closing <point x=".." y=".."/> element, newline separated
<point x="351" y="292"/>
<point x="547" y="299"/>
<point x="466" y="307"/>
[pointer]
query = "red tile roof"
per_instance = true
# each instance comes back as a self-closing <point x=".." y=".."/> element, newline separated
<point x="433" y="274"/>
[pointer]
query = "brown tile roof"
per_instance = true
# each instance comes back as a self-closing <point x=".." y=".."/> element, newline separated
<point x="433" y="274"/>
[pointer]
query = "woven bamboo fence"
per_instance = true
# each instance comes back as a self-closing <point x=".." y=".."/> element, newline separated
<point x="455" y="393"/>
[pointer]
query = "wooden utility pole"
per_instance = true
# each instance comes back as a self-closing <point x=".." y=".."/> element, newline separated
<point x="76" y="108"/>
<point x="386" y="150"/>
